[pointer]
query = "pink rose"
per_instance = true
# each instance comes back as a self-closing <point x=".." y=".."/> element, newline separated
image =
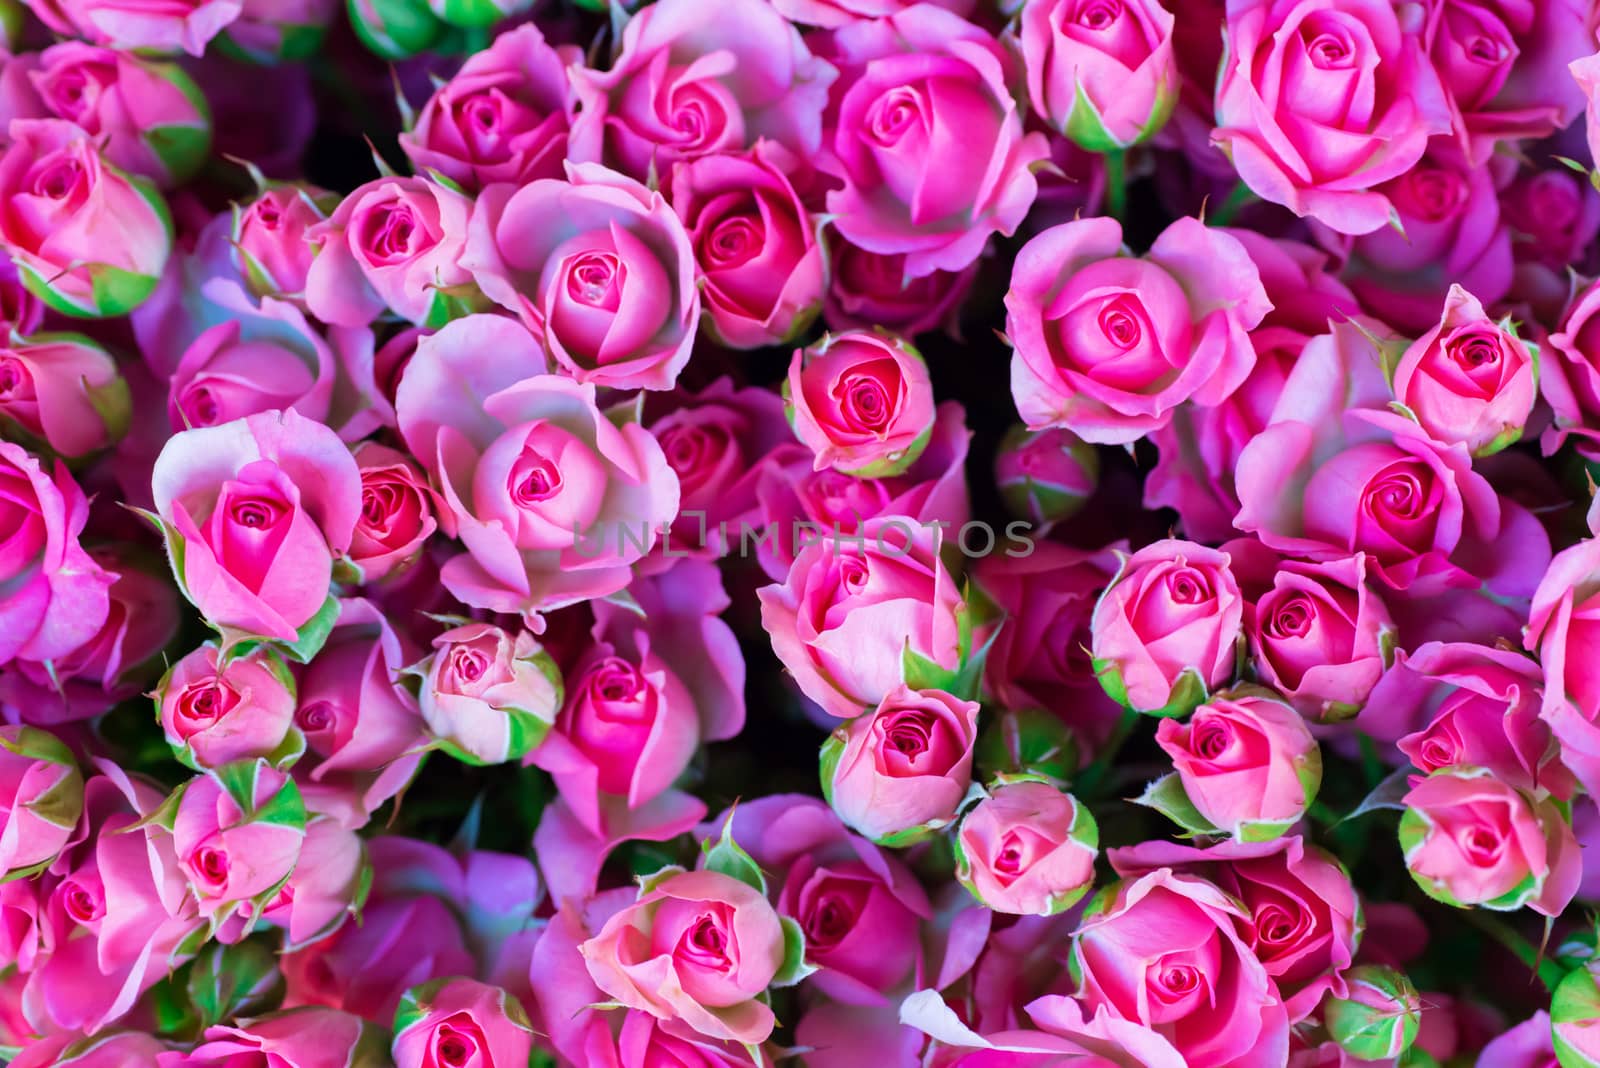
<point x="1304" y="919"/>
<point x="760" y="261"/>
<point x="1045" y="476"/>
<point x="64" y="391"/>
<point x="1317" y="105"/>
<point x="88" y="239"/>
<point x="862" y="402"/>
<point x="55" y="596"/>
<point x="834" y="13"/>
<point x="237" y="833"/>
<point x="870" y="289"/>
<point x="553" y="500"/>
<point x="1562" y="631"/>
<point x="451" y="1022"/>
<point x="690" y="82"/>
<point x="1027" y="849"/>
<point x="861" y="913"/>
<point x="698" y="947"/>
<point x="327" y="887"/>
<point x="1470" y="839"/>
<point x="1108" y="344"/>
<point x="503" y="117"/>
<point x="901" y="771"/>
<point x="1246" y="763"/>
<point x="126" y="1049"/>
<point x="1569" y="375"/>
<point x="216" y="712"/>
<point x="20" y="311"/>
<point x="1102" y="73"/>
<point x="218" y="488"/>
<point x="227" y="373"/>
<point x="270" y="241"/>
<point x="397" y="509"/>
<point x="1586" y="72"/>
<point x="293" y="1038"/>
<point x="394" y="243"/>
<point x="41" y="795"/>
<point x="853" y="607"/>
<point x="1527" y="1045"/>
<point x="925" y="84"/>
<point x="488" y="695"/>
<point x="140" y="24"/>
<point x="1167" y="630"/>
<point x="1196" y="983"/>
<point x="270" y="31"/>
<point x="1066" y="1035"/>
<point x="598" y="267"/>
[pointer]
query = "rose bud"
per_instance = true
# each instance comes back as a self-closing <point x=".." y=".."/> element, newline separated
<point x="862" y="402"/>
<point x="63" y="390"/>
<point x="1469" y="380"/>
<point x="1109" y="344"/>
<point x="1045" y="476"/>
<point x="397" y="507"/>
<point x="460" y="1021"/>
<point x="1470" y="839"/>
<point x="269" y="238"/>
<point x="124" y="1049"/>
<point x="1167" y="631"/>
<point x="487" y="695"/>
<point x="761" y="264"/>
<point x="41" y="794"/>
<point x="870" y="290"/>
<point x="1575" y="1018"/>
<point x="1103" y="74"/>
<point x="1378" y="1019"/>
<point x="94" y="240"/>
<point x="237" y="832"/>
<point x="216" y="712"/>
<point x="1027" y="849"/>
<point x="1246" y="765"/>
<point x="218" y="489"/>
<point x="697" y="946"/>
<point x="226" y="374"/>
<point x="899" y="773"/>
<point x="269" y="32"/>
<point x="305" y="1037"/>
<point x="503" y="117"/>
<point x="395" y="244"/>
<point x="395" y="29"/>
<point x="1321" y="637"/>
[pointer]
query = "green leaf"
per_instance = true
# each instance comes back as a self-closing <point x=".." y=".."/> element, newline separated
<point x="794" y="967"/>
<point x="182" y="149"/>
<point x="729" y="858"/>
<point x="236" y="980"/>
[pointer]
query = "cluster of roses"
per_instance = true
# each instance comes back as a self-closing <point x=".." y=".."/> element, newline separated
<point x="464" y="468"/>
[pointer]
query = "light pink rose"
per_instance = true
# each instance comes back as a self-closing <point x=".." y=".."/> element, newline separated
<point x="598" y="267"/>
<point x="1102" y="73"/>
<point x="227" y="374"/>
<point x="853" y="607"/>
<point x="88" y="239"/>
<point x="451" y="1022"/>
<point x="1471" y="839"/>
<point x="1563" y="632"/>
<point x="688" y="82"/>
<point x="237" y="833"/>
<point x="1027" y="849"/>
<point x="41" y="797"/>
<point x="1066" y="1034"/>
<point x="1167" y="630"/>
<point x="269" y="239"/>
<point x="925" y="84"/>
<point x="491" y="696"/>
<point x="1246" y="761"/>
<point x="870" y="289"/>
<point x="1163" y="950"/>
<point x="1319" y="103"/>
<point x="140" y="24"/>
<point x="761" y="263"/>
<point x="397" y="511"/>
<point x="216" y="713"/>
<point x="293" y="1038"/>
<point x="553" y="500"/>
<point x="218" y="489"/>
<point x="503" y="117"/>
<point x="55" y="595"/>
<point x="903" y="769"/>
<point x="396" y="244"/>
<point x="1108" y="344"/>
<point x="698" y="947"/>
<point x="1304" y="918"/>
<point x="862" y="402"/>
<point x="63" y="391"/>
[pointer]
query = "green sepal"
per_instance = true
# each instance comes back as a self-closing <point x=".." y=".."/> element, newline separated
<point x="649" y="882"/>
<point x="405" y="27"/>
<point x="1167" y="796"/>
<point x="828" y="761"/>
<point x="729" y="858"/>
<point x="1029" y="741"/>
<point x="182" y="149"/>
<point x="794" y="967"/>
<point x="237" y="980"/>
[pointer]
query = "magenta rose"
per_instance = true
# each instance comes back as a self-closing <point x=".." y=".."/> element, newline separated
<point x="269" y="238"/>
<point x="1045" y="476"/>
<point x="761" y="263"/>
<point x="63" y="391"/>
<point x="254" y="512"/>
<point x="490" y="696"/>
<point x="54" y="595"/>
<point x="862" y="402"/>
<point x="1318" y="104"/>
<point x="147" y="25"/>
<point x="689" y="81"/>
<point x="89" y="239"/>
<point x="553" y="500"/>
<point x="396" y="244"/>
<point x="239" y="368"/>
<point x="1027" y="849"/>
<point x="503" y="117"/>
<point x="870" y="289"/>
<point x="1103" y="73"/>
<point x="1163" y="950"/>
<point x="397" y="512"/>
<point x="831" y="14"/>
<point x="925" y="84"/>
<point x="598" y="267"/>
<point x="1108" y="344"/>
<point x="1569" y="375"/>
<point x="902" y="770"/>
<point x="216" y="712"/>
<point x="1527" y="1045"/>
<point x="853" y="607"/>
<point x="1564" y="632"/>
<point x="1304" y="921"/>
<point x="122" y="1049"/>
<point x="41" y="798"/>
<point x="460" y="1021"/>
<point x="1321" y="637"/>
<point x="1167" y="630"/>
<point x="1586" y="72"/>
<point x="308" y="1037"/>
<point x="237" y="833"/>
<point x="20" y="311"/>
